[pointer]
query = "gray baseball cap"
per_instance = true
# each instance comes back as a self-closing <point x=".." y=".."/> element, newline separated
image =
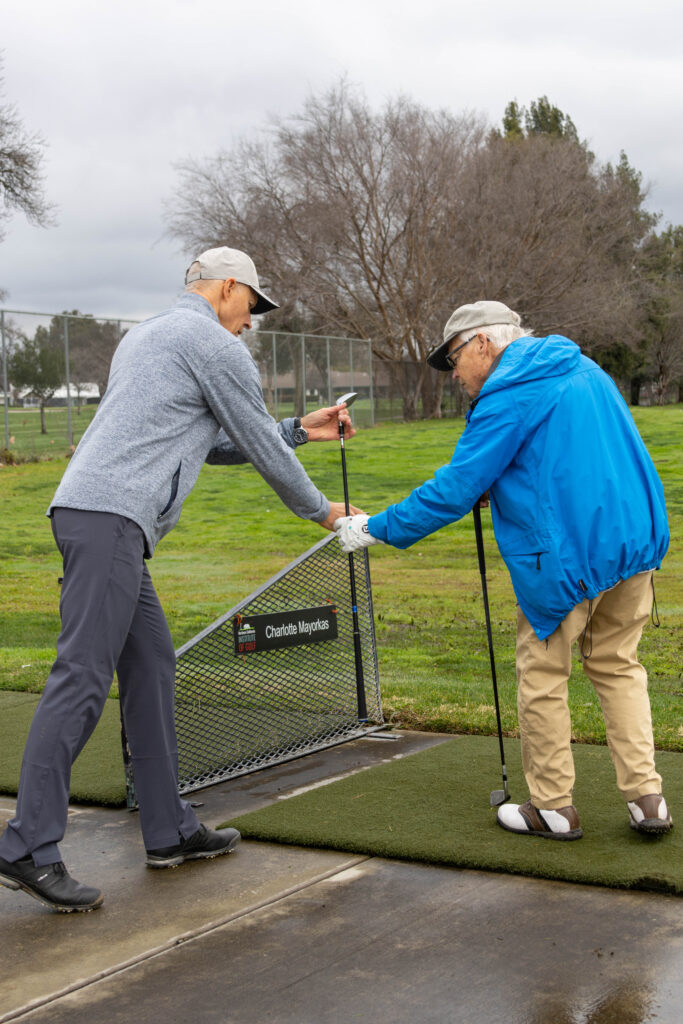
<point x="469" y="317"/>
<point x="222" y="263"/>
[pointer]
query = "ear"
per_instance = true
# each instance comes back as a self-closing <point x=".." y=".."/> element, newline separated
<point x="228" y="287"/>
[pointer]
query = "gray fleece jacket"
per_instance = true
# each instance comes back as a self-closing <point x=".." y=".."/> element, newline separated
<point x="182" y="391"/>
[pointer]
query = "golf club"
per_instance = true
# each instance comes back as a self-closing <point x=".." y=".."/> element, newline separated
<point x="498" y="796"/>
<point x="349" y="399"/>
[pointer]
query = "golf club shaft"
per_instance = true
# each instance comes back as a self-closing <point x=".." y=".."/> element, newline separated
<point x="360" y="678"/>
<point x="476" y="514"/>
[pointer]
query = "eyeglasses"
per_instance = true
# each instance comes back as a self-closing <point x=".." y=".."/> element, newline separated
<point x="449" y="357"/>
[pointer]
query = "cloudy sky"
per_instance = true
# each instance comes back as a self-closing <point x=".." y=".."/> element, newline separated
<point x="121" y="91"/>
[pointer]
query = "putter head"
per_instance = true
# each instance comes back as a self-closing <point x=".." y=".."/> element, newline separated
<point x="350" y="397"/>
<point x="498" y="797"/>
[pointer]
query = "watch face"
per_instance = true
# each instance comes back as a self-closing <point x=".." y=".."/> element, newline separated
<point x="300" y="435"/>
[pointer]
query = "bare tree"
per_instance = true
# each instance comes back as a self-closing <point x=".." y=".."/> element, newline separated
<point x="346" y="212"/>
<point x="662" y="259"/>
<point x="92" y="344"/>
<point x="376" y="225"/>
<point x="21" y="181"/>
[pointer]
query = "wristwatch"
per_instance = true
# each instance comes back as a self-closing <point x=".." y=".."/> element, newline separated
<point x="300" y="433"/>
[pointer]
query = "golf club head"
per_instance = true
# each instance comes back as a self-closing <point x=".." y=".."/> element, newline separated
<point x="498" y="797"/>
<point x="350" y="397"/>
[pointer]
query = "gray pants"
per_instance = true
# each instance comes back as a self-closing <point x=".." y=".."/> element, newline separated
<point x="111" y="620"/>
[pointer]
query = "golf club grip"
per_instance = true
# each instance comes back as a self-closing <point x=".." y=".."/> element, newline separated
<point x="343" y="460"/>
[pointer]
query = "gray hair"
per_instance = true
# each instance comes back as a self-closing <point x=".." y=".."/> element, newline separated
<point x="500" y="334"/>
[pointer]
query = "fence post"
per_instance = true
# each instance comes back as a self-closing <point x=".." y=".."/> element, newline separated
<point x="303" y="374"/>
<point x="275" y="376"/>
<point x="67" y="371"/>
<point x="4" y="376"/>
<point x="351" y="375"/>
<point x="330" y="396"/>
<point x="372" y="391"/>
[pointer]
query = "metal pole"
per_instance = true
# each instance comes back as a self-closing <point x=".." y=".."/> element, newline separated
<point x="372" y="391"/>
<point x="275" y="377"/>
<point x="4" y="376"/>
<point x="303" y="373"/>
<point x="67" y="371"/>
<point x="330" y="399"/>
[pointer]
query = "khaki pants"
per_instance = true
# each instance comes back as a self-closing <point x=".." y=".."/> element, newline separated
<point x="543" y="669"/>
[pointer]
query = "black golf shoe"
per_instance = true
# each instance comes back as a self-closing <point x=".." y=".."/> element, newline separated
<point x="51" y="884"/>
<point x="203" y="843"/>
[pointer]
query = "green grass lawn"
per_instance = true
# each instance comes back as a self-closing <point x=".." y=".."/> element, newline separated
<point x="26" y="439"/>
<point x="234" y="533"/>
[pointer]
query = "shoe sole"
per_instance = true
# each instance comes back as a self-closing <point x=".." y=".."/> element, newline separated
<point x="652" y="826"/>
<point x="575" y="833"/>
<point x="61" y="908"/>
<point x="175" y="862"/>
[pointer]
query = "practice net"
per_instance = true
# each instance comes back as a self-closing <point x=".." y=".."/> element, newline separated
<point x="251" y="693"/>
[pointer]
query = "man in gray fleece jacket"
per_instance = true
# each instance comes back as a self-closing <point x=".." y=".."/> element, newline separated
<point x="183" y="390"/>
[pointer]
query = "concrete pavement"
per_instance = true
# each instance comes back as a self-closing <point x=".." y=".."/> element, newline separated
<point x="291" y="935"/>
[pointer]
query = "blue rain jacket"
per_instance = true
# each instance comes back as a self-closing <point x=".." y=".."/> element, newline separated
<point x="576" y="502"/>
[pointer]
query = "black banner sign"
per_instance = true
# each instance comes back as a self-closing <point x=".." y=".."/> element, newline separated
<point x="284" y="629"/>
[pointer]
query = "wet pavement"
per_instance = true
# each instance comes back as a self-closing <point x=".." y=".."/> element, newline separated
<point x="292" y="935"/>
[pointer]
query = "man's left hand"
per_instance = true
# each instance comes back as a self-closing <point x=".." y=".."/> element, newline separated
<point x="353" y="534"/>
<point x="323" y="424"/>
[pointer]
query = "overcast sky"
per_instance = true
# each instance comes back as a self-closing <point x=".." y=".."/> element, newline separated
<point x="121" y="91"/>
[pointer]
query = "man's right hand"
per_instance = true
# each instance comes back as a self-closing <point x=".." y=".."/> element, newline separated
<point x="338" y="511"/>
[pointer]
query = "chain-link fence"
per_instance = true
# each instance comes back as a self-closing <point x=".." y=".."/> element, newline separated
<point x="55" y="369"/>
<point x="276" y="677"/>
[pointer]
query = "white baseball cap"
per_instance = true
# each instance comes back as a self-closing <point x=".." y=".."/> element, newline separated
<point x="475" y="314"/>
<point x="222" y="263"/>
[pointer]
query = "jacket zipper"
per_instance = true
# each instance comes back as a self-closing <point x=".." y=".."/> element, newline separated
<point x="174" y="492"/>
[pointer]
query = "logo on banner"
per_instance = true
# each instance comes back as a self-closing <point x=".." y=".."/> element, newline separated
<point x="285" y="629"/>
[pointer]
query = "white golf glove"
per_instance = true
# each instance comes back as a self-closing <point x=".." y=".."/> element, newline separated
<point x="353" y="534"/>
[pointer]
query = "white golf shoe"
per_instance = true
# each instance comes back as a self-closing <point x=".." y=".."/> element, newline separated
<point x="527" y="820"/>
<point x="650" y="814"/>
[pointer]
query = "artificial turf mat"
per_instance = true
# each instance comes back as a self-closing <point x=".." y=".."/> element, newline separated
<point x="433" y="806"/>
<point x="97" y="775"/>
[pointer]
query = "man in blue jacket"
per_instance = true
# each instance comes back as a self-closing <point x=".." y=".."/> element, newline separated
<point x="579" y="516"/>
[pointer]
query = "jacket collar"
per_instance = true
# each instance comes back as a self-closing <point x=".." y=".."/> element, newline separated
<point x="198" y="304"/>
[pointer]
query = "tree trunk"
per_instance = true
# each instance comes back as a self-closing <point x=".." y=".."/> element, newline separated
<point x="43" y="428"/>
<point x="432" y="394"/>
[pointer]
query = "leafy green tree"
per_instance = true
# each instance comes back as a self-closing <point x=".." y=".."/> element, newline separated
<point x="544" y="118"/>
<point x="540" y="118"/>
<point x="38" y="364"/>
<point x="513" y="121"/>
